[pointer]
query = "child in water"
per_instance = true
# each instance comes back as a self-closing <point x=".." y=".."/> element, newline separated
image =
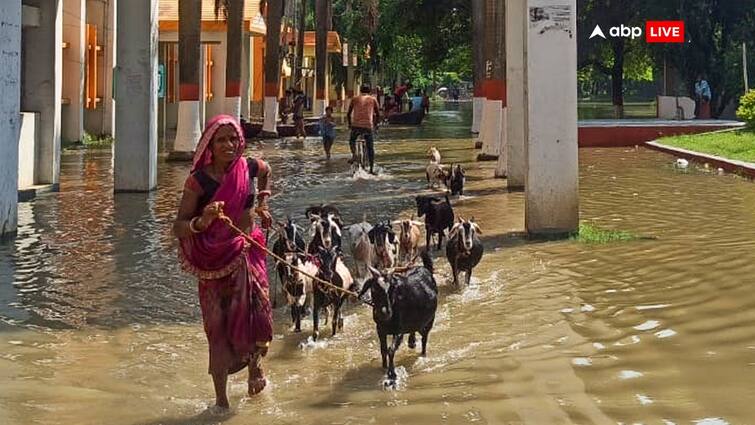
<point x="328" y="130"/>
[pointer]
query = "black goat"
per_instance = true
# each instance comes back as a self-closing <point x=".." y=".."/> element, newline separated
<point x="331" y="270"/>
<point x="403" y="304"/>
<point x="464" y="249"/>
<point x="455" y="179"/>
<point x="290" y="239"/>
<point x="439" y="216"/>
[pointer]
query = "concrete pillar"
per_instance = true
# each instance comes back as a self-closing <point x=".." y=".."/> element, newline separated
<point x="491" y="141"/>
<point x="218" y="104"/>
<point x="515" y="107"/>
<point x="74" y="63"/>
<point x="10" y="114"/>
<point x="135" y="150"/>
<point x="551" y="185"/>
<point x="246" y="75"/>
<point x="42" y="84"/>
<point x="477" y="103"/>
<point x="202" y="97"/>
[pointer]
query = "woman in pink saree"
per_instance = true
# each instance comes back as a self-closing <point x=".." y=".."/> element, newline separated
<point x="233" y="286"/>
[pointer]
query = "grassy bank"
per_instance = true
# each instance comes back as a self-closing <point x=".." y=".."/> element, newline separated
<point x="739" y="145"/>
<point x="90" y="142"/>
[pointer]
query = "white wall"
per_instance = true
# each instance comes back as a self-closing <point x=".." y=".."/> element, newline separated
<point x="10" y="118"/>
<point x="27" y="147"/>
<point x="74" y="33"/>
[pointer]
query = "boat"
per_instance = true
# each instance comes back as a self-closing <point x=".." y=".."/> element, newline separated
<point x="414" y="117"/>
<point x="254" y="129"/>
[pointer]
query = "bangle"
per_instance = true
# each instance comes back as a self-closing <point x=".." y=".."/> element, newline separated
<point x="192" y="225"/>
<point x="265" y="193"/>
<point x="262" y="344"/>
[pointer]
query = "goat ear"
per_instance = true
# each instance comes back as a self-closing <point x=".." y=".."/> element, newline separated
<point x="475" y="226"/>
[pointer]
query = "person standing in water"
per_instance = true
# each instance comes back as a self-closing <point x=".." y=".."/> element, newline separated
<point x="328" y="130"/>
<point x="363" y="116"/>
<point x="233" y="286"/>
<point x="298" y="109"/>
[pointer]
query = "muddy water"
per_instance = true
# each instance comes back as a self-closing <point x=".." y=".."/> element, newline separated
<point x="99" y="326"/>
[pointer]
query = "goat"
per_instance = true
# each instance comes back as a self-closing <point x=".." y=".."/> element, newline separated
<point x="324" y="233"/>
<point x="334" y="271"/>
<point x="383" y="239"/>
<point x="323" y="210"/>
<point x="464" y="249"/>
<point x="298" y="286"/>
<point x="434" y="155"/>
<point x="361" y="248"/>
<point x="455" y="179"/>
<point x="435" y="175"/>
<point x="409" y="235"/>
<point x="439" y="216"/>
<point x="290" y="239"/>
<point x="402" y="303"/>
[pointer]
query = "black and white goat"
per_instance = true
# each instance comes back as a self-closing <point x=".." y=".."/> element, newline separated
<point x="324" y="233"/>
<point x="385" y="245"/>
<point x="403" y="303"/>
<point x="332" y="270"/>
<point x="298" y="286"/>
<point x="324" y="210"/>
<point x="464" y="249"/>
<point x="439" y="216"/>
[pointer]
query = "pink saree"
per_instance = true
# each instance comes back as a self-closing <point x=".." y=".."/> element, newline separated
<point x="233" y="286"/>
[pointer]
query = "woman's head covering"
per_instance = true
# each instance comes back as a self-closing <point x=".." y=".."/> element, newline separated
<point x="216" y="251"/>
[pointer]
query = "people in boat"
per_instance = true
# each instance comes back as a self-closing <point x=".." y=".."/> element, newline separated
<point x="298" y="110"/>
<point x="391" y="106"/>
<point x="328" y="130"/>
<point x="363" y="116"/>
<point x="233" y="285"/>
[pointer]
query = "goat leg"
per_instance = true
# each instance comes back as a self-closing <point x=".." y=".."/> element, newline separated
<point x="412" y="341"/>
<point x="383" y="348"/>
<point x="425" y="334"/>
<point x="397" y="338"/>
<point x="316" y="318"/>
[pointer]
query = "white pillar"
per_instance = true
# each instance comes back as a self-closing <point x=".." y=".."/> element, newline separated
<point x="42" y="84"/>
<point x="202" y="97"/>
<point x="74" y="62"/>
<point x="135" y="149"/>
<point x="552" y="195"/>
<point x="502" y="148"/>
<point x="246" y="77"/>
<point x="190" y="130"/>
<point x="477" y="103"/>
<point x="218" y="104"/>
<point x="109" y="47"/>
<point x="492" y="142"/>
<point x="10" y="115"/>
<point x="270" y="126"/>
<point x="516" y="12"/>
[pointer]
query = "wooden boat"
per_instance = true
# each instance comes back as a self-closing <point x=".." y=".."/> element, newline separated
<point x="407" y="118"/>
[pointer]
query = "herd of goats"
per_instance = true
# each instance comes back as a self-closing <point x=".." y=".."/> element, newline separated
<point x="403" y="296"/>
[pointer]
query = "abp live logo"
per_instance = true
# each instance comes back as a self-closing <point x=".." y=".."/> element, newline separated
<point x="655" y="32"/>
<point x="664" y="31"/>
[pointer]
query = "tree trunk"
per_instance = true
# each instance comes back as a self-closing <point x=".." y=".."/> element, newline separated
<point x="617" y="78"/>
<point x="189" y="128"/>
<point x="499" y="72"/>
<point x="492" y="85"/>
<point x="323" y="25"/>
<point x="234" y="41"/>
<point x="478" y="61"/>
<point x="300" y="45"/>
<point x="272" y="66"/>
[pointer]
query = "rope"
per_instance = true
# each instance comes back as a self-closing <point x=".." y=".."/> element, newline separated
<point x="227" y="220"/>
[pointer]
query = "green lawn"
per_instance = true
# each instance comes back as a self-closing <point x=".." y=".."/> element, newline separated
<point x="738" y="145"/>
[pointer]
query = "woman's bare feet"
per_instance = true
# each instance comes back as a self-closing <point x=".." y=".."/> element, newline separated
<point x="257" y="381"/>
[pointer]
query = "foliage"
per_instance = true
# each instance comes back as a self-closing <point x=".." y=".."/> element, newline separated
<point x="746" y="110"/>
<point x="589" y="233"/>
<point x="738" y="145"/>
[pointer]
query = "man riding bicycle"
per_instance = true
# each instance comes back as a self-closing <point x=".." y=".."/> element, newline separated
<point x="366" y="115"/>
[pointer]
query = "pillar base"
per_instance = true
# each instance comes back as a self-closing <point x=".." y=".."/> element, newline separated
<point x="28" y="193"/>
<point x="269" y="134"/>
<point x="8" y="236"/>
<point x="487" y="157"/>
<point x="549" y="235"/>
<point x="134" y="190"/>
<point x="178" y="156"/>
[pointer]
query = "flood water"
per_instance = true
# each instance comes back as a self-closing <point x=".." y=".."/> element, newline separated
<point x="100" y="326"/>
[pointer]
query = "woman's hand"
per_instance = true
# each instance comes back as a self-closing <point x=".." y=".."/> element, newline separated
<point x="266" y="219"/>
<point x="211" y="212"/>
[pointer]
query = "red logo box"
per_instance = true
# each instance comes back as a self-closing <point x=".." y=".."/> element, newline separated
<point x="664" y="31"/>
